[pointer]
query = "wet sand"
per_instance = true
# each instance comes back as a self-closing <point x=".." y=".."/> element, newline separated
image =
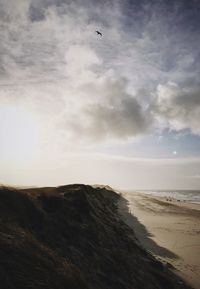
<point x="169" y="229"/>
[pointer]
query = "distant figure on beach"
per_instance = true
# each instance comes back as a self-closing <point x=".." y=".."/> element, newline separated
<point x="98" y="33"/>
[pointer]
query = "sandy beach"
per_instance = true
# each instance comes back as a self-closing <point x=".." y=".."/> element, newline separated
<point x="169" y="229"/>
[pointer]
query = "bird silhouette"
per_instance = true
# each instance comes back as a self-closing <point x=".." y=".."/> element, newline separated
<point x="98" y="33"/>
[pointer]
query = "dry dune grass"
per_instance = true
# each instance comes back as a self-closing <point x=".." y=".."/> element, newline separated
<point x="72" y="237"/>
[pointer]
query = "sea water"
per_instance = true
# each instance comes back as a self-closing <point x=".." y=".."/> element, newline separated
<point x="191" y="196"/>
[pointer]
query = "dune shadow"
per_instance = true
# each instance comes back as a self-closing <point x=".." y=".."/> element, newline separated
<point x="140" y="231"/>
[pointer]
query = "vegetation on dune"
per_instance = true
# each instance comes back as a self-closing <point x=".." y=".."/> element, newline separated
<point x="72" y="237"/>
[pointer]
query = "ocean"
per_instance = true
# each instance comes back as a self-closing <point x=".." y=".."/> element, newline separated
<point x="191" y="196"/>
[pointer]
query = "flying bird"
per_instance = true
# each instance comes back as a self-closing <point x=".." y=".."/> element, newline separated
<point x="98" y="33"/>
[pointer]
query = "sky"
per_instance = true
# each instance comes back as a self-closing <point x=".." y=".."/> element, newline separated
<point x="121" y="109"/>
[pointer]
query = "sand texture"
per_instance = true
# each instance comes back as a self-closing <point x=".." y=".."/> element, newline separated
<point x="169" y="229"/>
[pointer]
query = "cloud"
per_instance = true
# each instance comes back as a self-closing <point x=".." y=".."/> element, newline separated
<point x="85" y="92"/>
<point x="49" y="52"/>
<point x="178" y="108"/>
<point x="113" y="113"/>
<point x="194" y="177"/>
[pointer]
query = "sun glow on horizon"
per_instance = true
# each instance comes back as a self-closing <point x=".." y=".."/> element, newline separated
<point x="19" y="132"/>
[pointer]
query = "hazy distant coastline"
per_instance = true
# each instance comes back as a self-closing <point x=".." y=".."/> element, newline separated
<point x="191" y="196"/>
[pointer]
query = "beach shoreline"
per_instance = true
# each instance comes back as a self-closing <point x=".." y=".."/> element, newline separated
<point x="168" y="229"/>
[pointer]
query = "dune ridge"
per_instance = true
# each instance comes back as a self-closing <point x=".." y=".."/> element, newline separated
<point x="73" y="237"/>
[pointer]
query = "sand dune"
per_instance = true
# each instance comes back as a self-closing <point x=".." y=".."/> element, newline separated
<point x="170" y="230"/>
<point x="74" y="237"/>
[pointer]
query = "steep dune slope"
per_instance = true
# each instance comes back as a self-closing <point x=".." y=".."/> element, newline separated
<point x="72" y="237"/>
